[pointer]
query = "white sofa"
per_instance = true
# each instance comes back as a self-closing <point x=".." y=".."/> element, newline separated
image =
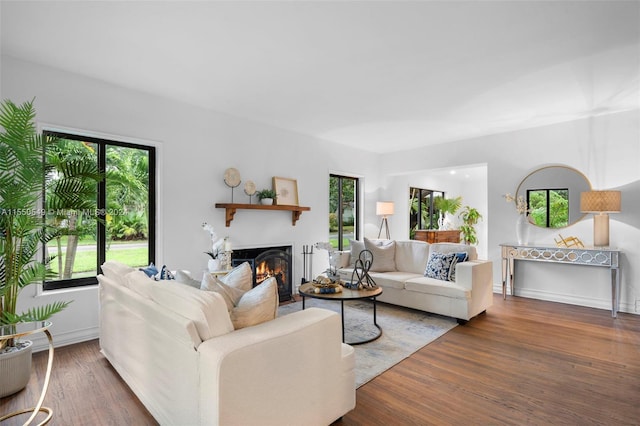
<point x="402" y="277"/>
<point x="191" y="368"/>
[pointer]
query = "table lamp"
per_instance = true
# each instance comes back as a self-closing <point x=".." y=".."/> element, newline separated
<point x="600" y="203"/>
<point x="384" y="209"/>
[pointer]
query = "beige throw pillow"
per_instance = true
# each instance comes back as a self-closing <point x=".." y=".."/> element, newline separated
<point x="256" y="306"/>
<point x="231" y="295"/>
<point x="383" y="255"/>
<point x="240" y="277"/>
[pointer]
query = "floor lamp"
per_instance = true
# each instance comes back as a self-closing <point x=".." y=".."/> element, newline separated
<point x="384" y="209"/>
<point x="601" y="203"/>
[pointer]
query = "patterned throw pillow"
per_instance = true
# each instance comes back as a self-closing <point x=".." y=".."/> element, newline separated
<point x="439" y="266"/>
<point x="460" y="257"/>
<point x="150" y="270"/>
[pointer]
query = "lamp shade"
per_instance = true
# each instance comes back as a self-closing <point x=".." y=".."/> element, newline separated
<point x="384" y="208"/>
<point x="600" y="202"/>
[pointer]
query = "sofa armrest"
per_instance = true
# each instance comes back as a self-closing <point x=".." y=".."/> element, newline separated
<point x="475" y="275"/>
<point x="251" y="375"/>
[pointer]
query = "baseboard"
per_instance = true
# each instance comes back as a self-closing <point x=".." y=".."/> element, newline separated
<point x="40" y="342"/>
<point x="570" y="299"/>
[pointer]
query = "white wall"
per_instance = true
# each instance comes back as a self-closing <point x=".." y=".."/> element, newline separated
<point x="196" y="147"/>
<point x="605" y="148"/>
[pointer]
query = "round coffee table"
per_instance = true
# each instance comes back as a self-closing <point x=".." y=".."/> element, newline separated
<point x="307" y="290"/>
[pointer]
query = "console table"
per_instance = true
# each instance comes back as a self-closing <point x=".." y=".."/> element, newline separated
<point x="594" y="256"/>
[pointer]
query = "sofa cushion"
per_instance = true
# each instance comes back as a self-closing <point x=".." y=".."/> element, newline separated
<point x="258" y="305"/>
<point x="437" y="287"/>
<point x="207" y="310"/>
<point x="116" y="271"/>
<point x="394" y="279"/>
<point x="383" y="255"/>
<point x="139" y="282"/>
<point x="454" y="248"/>
<point x="412" y="256"/>
<point x="231" y="295"/>
<point x="440" y="265"/>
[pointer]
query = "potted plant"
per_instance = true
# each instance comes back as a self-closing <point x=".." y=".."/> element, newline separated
<point x="447" y="207"/>
<point x="23" y="233"/>
<point x="266" y="196"/>
<point x="470" y="218"/>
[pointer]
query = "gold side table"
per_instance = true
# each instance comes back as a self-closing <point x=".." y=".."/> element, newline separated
<point x="21" y="330"/>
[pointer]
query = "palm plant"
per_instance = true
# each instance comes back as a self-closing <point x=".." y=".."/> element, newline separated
<point x="448" y="205"/>
<point x="22" y="226"/>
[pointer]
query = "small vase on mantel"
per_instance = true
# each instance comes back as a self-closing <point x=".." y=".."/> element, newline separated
<point x="522" y="229"/>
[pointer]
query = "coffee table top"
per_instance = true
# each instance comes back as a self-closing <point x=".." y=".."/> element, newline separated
<point x="307" y="290"/>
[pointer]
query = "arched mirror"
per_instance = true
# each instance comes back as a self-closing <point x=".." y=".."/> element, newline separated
<point x="553" y="195"/>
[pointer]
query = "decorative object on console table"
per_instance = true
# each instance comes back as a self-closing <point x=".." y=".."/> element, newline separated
<point x="384" y="209"/>
<point x="522" y="223"/>
<point x="522" y="229"/>
<point x="432" y="236"/>
<point x="232" y="179"/>
<point x="287" y="190"/>
<point x="447" y="207"/>
<point x="568" y="242"/>
<point x="602" y="203"/>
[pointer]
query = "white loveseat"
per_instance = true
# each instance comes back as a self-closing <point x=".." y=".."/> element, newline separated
<point x="176" y="348"/>
<point x="399" y="268"/>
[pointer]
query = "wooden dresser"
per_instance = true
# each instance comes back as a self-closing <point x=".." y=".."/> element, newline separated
<point x="433" y="236"/>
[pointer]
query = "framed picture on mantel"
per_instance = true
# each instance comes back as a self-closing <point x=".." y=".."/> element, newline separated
<point x="286" y="191"/>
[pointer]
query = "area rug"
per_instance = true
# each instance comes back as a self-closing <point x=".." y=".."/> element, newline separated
<point x="404" y="331"/>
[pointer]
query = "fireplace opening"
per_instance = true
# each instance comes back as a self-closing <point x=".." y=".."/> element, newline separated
<point x="268" y="262"/>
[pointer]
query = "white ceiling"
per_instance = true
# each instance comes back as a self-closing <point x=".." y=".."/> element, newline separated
<point x="379" y="75"/>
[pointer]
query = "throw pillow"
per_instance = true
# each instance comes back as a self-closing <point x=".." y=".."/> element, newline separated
<point x="356" y="248"/>
<point x="439" y="265"/>
<point x="184" y="277"/>
<point x="383" y="255"/>
<point x="150" y="270"/>
<point x="165" y="274"/>
<point x="258" y="305"/>
<point x="231" y="295"/>
<point x="460" y="257"/>
<point x="240" y="277"/>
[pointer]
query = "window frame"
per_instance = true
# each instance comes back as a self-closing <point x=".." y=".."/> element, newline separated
<point x="432" y="194"/>
<point x="356" y="200"/>
<point x="102" y="142"/>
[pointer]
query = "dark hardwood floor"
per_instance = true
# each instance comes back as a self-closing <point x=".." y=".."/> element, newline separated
<point x="524" y="362"/>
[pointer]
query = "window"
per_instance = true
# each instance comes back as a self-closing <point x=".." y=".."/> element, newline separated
<point x="549" y="208"/>
<point x="422" y="212"/>
<point x="343" y="211"/>
<point x="116" y="220"/>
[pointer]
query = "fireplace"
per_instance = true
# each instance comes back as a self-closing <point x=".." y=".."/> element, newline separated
<point x="269" y="262"/>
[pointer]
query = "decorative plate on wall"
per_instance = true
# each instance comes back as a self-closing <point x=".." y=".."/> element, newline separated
<point x="232" y="177"/>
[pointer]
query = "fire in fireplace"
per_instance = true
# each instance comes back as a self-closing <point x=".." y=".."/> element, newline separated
<point x="268" y="262"/>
